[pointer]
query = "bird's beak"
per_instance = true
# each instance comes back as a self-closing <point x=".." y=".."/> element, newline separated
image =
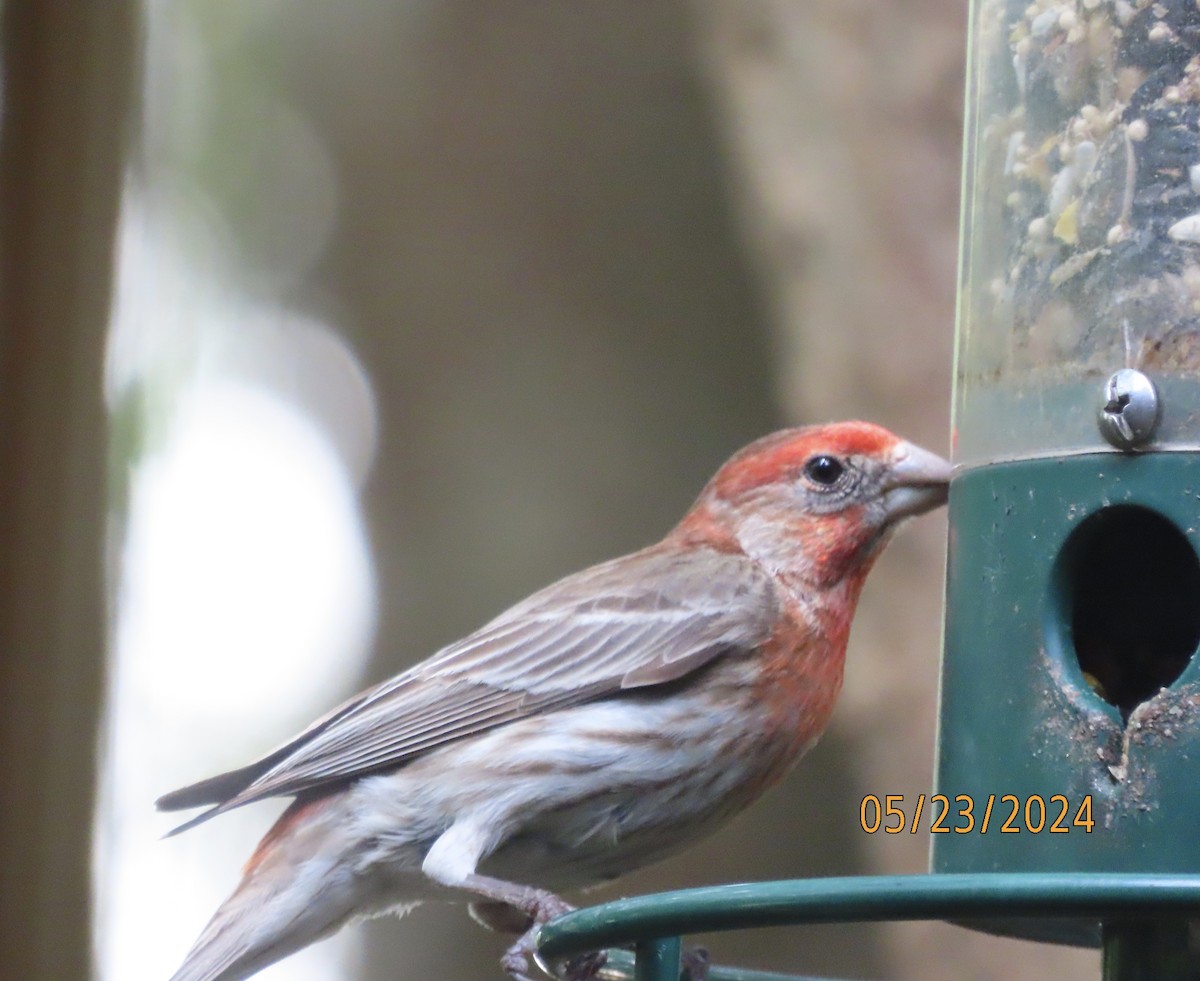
<point x="917" y="481"/>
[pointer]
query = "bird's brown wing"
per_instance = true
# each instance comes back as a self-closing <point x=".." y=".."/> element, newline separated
<point x="647" y="619"/>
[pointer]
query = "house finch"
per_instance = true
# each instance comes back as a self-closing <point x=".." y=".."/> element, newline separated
<point x="601" y="724"/>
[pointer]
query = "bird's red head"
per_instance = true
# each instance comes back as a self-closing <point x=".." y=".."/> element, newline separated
<point x="815" y="504"/>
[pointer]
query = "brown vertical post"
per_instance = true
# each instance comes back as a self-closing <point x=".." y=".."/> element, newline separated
<point x="70" y="75"/>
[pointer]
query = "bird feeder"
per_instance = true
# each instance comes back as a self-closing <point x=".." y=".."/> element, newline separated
<point x="1068" y="757"/>
<point x="1070" y="693"/>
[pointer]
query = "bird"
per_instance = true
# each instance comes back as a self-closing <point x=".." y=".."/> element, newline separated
<point x="605" y="722"/>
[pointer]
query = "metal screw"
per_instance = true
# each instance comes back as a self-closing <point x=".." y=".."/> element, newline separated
<point x="1131" y="409"/>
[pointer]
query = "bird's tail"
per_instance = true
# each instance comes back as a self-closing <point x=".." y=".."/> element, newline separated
<point x="240" y="940"/>
<point x="297" y="888"/>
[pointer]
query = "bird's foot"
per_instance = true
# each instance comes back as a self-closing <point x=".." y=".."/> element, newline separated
<point x="517" y="960"/>
<point x="542" y="907"/>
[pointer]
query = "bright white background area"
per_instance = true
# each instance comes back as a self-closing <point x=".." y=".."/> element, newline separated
<point x="242" y="589"/>
<point x="245" y="596"/>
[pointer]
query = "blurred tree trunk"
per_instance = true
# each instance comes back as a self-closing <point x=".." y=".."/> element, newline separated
<point x="70" y="72"/>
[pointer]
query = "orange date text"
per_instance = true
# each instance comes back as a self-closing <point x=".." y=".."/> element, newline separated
<point x="965" y="814"/>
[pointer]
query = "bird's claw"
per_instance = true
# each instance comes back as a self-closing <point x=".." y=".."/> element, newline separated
<point x="516" y="961"/>
<point x="585" y="967"/>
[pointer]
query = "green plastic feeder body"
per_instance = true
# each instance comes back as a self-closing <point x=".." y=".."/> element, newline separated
<point x="1070" y="702"/>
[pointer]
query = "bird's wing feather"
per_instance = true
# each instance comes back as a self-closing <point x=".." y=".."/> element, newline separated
<point x="647" y="619"/>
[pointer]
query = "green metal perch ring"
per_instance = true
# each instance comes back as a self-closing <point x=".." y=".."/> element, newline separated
<point x="654" y="924"/>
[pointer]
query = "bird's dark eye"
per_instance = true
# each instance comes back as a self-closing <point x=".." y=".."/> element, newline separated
<point x="824" y="470"/>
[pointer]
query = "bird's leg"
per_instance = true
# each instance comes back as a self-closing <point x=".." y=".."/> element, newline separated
<point x="538" y="906"/>
<point x="452" y="861"/>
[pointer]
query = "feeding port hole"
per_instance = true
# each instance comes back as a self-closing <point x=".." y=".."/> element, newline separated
<point x="1129" y="589"/>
